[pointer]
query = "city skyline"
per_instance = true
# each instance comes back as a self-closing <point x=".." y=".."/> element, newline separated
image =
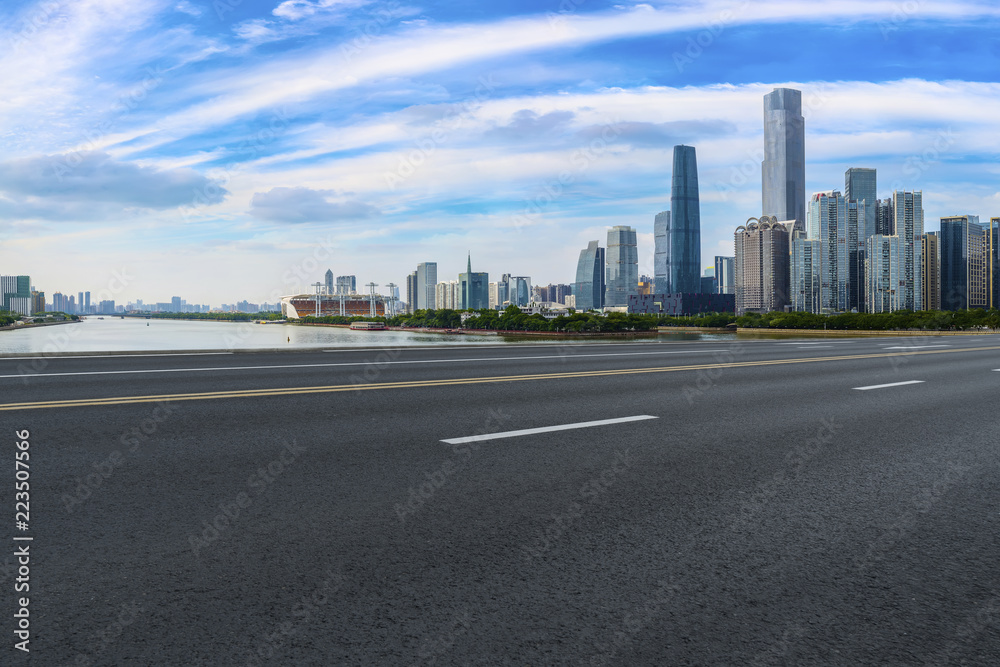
<point x="232" y="143"/>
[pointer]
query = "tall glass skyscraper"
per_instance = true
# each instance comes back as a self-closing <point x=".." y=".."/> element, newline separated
<point x="965" y="279"/>
<point x="860" y="184"/>
<point x="475" y="289"/>
<point x="661" y="253"/>
<point x="783" y="172"/>
<point x="427" y="277"/>
<point x="623" y="266"/>
<point x="589" y="287"/>
<point x="684" y="263"/>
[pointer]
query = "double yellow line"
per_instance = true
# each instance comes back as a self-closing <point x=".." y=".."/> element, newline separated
<point x="294" y="391"/>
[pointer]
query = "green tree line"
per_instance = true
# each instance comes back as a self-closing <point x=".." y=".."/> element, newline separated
<point x="225" y="317"/>
<point x="512" y="319"/>
<point x="900" y="320"/>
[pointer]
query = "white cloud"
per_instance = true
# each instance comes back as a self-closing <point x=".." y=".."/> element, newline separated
<point x="296" y="205"/>
<point x="294" y="10"/>
<point x="187" y="8"/>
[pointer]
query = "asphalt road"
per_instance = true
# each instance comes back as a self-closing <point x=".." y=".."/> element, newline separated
<point x="303" y="508"/>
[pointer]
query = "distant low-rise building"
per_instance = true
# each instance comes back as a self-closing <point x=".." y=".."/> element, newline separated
<point x="681" y="304"/>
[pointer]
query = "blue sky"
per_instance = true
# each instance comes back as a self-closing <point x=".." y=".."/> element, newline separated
<point x="223" y="149"/>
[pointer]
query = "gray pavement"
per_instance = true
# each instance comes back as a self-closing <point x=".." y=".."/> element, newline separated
<point x="771" y="514"/>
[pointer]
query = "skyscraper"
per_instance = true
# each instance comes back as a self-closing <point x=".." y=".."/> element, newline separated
<point x="860" y="184"/>
<point x="684" y="263"/>
<point x="783" y="172"/>
<point x="427" y="276"/>
<point x="328" y="281"/>
<point x="623" y="266"/>
<point x="411" y="292"/>
<point x="589" y="287"/>
<point x="885" y="287"/>
<point x="965" y="279"/>
<point x="994" y="254"/>
<point x="37" y="302"/>
<point x="724" y="274"/>
<point x="885" y="219"/>
<point x="836" y="223"/>
<point x="15" y="294"/>
<point x="930" y="290"/>
<point x="761" y="266"/>
<point x="806" y="273"/>
<point x="519" y="290"/>
<point x="475" y="289"/>
<point x="908" y="210"/>
<point x="661" y="253"/>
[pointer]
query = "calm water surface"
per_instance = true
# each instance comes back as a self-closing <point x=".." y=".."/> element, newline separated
<point x="114" y="334"/>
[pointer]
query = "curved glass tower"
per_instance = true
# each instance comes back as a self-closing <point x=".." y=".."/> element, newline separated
<point x="589" y="287"/>
<point x="684" y="264"/>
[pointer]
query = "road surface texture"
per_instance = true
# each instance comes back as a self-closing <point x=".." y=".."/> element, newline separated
<point x="768" y="502"/>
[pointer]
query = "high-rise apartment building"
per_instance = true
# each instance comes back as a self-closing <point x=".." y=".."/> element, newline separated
<point x="661" y="253"/>
<point x="761" y="265"/>
<point x="884" y="283"/>
<point x="447" y="295"/>
<point x="427" y="277"/>
<point x="837" y="223"/>
<point x="806" y="273"/>
<point x="475" y="289"/>
<point x="965" y="263"/>
<point x="623" y="266"/>
<point x="894" y="262"/>
<point x="908" y="223"/>
<point x="994" y="253"/>
<point x="684" y="263"/>
<point x="885" y="219"/>
<point x="930" y="255"/>
<point x="860" y="185"/>
<point x="783" y="172"/>
<point x="589" y="288"/>
<point x="411" y="292"/>
<point x="86" y="304"/>
<point x="37" y="302"/>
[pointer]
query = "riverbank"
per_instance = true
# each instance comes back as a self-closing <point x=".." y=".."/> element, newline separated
<point x="25" y="327"/>
<point x="498" y="332"/>
<point x="862" y="332"/>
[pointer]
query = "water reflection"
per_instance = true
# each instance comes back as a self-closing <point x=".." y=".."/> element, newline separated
<point x="113" y="334"/>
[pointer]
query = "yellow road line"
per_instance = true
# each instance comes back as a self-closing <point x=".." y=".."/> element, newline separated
<point x="292" y="391"/>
